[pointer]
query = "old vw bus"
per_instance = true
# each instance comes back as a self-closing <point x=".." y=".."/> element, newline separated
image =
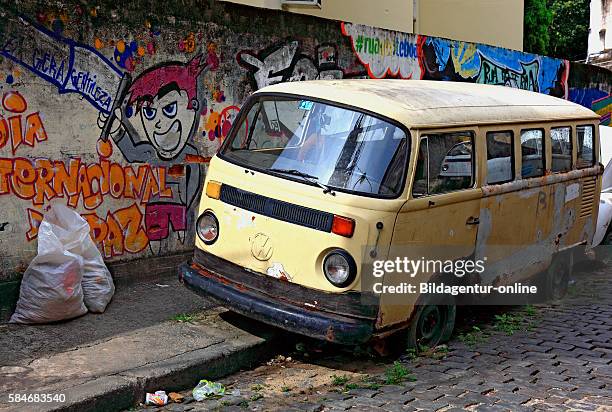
<point x="319" y="180"/>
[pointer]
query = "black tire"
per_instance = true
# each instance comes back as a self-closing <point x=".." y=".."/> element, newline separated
<point x="432" y="324"/>
<point x="558" y="275"/>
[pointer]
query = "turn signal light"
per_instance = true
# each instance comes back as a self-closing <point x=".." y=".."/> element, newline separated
<point x="213" y="189"/>
<point x="343" y="226"/>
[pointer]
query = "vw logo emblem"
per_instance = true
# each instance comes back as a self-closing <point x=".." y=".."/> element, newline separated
<point x="261" y="247"/>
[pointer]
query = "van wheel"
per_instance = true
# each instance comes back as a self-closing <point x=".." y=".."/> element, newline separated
<point x="432" y="325"/>
<point x="558" y="275"/>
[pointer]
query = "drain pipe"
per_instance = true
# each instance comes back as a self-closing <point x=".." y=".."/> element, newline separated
<point x="415" y="14"/>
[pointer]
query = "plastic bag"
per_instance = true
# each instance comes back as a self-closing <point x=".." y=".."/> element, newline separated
<point x="206" y="389"/>
<point x="51" y="286"/>
<point x="97" y="283"/>
<point x="67" y="276"/>
<point x="98" y="286"/>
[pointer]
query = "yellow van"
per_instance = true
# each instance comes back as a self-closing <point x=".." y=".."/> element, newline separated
<point x="323" y="184"/>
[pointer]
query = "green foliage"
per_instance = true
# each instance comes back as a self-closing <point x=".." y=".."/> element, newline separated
<point x="474" y="337"/>
<point x="538" y="19"/>
<point x="397" y="374"/>
<point x="350" y="386"/>
<point x="339" y="380"/>
<point x="558" y="28"/>
<point x="256" y="397"/>
<point x="508" y="323"/>
<point x="183" y="317"/>
<point x="569" y="31"/>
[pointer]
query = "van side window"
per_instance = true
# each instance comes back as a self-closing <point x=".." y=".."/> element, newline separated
<point x="532" y="153"/>
<point x="586" y="153"/>
<point x="500" y="157"/>
<point x="561" y="140"/>
<point x="445" y="163"/>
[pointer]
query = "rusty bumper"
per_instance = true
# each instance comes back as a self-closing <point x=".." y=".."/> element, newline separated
<point x="275" y="310"/>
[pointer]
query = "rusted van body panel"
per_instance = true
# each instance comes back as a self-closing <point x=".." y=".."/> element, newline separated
<point x="518" y="225"/>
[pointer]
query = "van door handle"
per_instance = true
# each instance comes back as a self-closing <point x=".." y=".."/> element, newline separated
<point x="472" y="221"/>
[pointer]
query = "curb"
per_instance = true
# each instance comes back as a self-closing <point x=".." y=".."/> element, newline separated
<point x="127" y="389"/>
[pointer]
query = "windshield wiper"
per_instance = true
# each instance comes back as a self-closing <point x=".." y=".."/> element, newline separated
<point x="305" y="176"/>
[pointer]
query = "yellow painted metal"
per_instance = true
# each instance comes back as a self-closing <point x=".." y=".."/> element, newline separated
<point x="518" y="220"/>
<point x="426" y="103"/>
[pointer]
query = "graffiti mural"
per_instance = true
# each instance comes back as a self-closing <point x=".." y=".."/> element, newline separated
<point x="386" y="53"/>
<point x="285" y="63"/>
<point x="158" y="116"/>
<point x="150" y="119"/>
<point x="19" y="127"/>
<point x="443" y="59"/>
<point x="72" y="67"/>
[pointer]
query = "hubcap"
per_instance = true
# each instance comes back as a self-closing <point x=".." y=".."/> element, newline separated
<point x="431" y="325"/>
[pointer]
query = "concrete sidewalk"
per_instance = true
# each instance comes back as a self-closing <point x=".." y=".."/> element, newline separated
<point x="109" y="361"/>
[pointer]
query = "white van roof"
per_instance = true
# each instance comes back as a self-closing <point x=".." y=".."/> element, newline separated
<point x="425" y="103"/>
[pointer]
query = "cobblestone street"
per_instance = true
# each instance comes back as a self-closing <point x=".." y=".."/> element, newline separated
<point x="553" y="357"/>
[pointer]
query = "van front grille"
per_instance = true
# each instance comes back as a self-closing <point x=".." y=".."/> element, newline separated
<point x="588" y="197"/>
<point x="277" y="209"/>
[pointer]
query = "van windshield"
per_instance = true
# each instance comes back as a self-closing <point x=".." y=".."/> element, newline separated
<point x="318" y="143"/>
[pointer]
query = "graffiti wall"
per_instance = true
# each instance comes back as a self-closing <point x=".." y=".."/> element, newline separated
<point x="116" y="112"/>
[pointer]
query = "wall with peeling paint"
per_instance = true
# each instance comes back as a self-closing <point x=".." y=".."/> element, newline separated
<point x="116" y="111"/>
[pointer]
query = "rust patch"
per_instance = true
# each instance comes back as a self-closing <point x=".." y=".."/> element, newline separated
<point x="330" y="335"/>
<point x="191" y="158"/>
<point x="521" y="184"/>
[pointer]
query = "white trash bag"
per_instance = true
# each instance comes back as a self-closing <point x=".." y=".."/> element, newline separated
<point x="98" y="286"/>
<point x="51" y="286"/>
<point x="67" y="274"/>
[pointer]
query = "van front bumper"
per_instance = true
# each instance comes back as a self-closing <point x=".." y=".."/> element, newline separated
<point x="275" y="310"/>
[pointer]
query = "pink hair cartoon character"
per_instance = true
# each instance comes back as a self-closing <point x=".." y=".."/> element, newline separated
<point x="158" y="115"/>
<point x="165" y="100"/>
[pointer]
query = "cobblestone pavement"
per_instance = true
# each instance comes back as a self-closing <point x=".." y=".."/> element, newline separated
<point x="552" y="357"/>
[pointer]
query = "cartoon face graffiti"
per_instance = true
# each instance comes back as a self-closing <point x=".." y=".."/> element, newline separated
<point x="163" y="121"/>
<point x="166" y="103"/>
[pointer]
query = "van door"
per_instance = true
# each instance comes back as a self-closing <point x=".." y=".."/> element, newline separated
<point x="516" y="209"/>
<point x="439" y="222"/>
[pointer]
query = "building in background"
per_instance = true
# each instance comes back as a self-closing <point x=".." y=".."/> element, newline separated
<point x="494" y="22"/>
<point x="600" y="39"/>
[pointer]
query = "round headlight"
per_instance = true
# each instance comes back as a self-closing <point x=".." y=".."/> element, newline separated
<point x="208" y="228"/>
<point x="339" y="268"/>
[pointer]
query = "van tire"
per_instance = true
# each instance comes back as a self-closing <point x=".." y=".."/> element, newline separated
<point x="432" y="324"/>
<point x="558" y="275"/>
